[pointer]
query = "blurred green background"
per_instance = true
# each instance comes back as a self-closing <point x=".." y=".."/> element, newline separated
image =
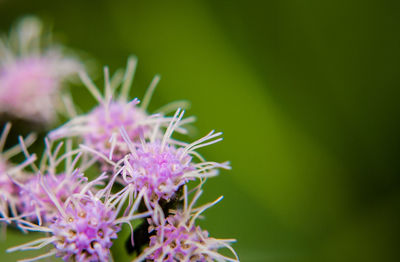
<point x="306" y="93"/>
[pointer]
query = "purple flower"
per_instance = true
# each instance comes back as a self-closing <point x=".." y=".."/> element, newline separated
<point x="156" y="168"/>
<point x="179" y="242"/>
<point x="99" y="129"/>
<point x="37" y="191"/>
<point x="80" y="220"/>
<point x="83" y="227"/>
<point x="31" y="79"/>
<point x="34" y="203"/>
<point x="85" y="231"/>
<point x="105" y="122"/>
<point x="177" y="238"/>
<point x="161" y="171"/>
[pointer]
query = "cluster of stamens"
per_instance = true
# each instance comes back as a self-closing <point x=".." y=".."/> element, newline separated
<point x="160" y="170"/>
<point x="104" y="123"/>
<point x="85" y="232"/>
<point x="180" y="242"/>
<point x="35" y="202"/>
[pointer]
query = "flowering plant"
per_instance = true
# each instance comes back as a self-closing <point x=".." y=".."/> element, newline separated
<point x="141" y="174"/>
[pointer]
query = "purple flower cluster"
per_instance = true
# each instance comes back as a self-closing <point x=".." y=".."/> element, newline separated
<point x="35" y="203"/>
<point x="161" y="171"/>
<point x="177" y="238"/>
<point x="177" y="242"/>
<point x="180" y="243"/>
<point x="105" y="122"/>
<point x="86" y="230"/>
<point x="116" y="164"/>
<point x="31" y="76"/>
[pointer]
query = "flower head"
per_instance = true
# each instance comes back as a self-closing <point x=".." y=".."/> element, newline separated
<point x="31" y="76"/>
<point x="35" y="203"/>
<point x="106" y="121"/>
<point x="86" y="230"/>
<point x="48" y="181"/>
<point x="159" y="167"/>
<point x="160" y="171"/>
<point x="177" y="238"/>
<point x="99" y="129"/>
<point x="84" y="225"/>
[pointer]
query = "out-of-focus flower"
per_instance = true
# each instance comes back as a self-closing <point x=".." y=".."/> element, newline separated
<point x="177" y="238"/>
<point x="107" y="120"/>
<point x="99" y="129"/>
<point x="32" y="72"/>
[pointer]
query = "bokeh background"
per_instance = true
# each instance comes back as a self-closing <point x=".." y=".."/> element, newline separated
<point x="306" y="93"/>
